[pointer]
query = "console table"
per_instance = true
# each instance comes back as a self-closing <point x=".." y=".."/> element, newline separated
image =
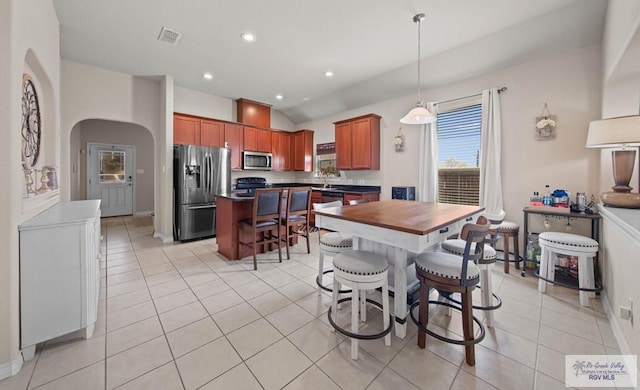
<point x="59" y="273"/>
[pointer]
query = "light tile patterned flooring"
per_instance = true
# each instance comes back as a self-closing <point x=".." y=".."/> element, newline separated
<point x="178" y="316"/>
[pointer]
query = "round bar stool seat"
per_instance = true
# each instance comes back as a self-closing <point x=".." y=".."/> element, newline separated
<point x="508" y="230"/>
<point x="584" y="248"/>
<point x="362" y="271"/>
<point x="332" y="243"/>
<point x="456" y="247"/>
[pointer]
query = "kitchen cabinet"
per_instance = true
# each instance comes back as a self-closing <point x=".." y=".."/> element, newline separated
<point x="257" y="140"/>
<point x="186" y="130"/>
<point x="302" y="145"/>
<point x="371" y="197"/>
<point x="358" y="143"/>
<point x="59" y="273"/>
<point x="281" y="151"/>
<point x="253" y="113"/>
<point x="233" y="137"/>
<point x="211" y="133"/>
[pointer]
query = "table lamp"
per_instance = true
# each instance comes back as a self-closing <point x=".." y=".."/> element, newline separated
<point x="622" y="132"/>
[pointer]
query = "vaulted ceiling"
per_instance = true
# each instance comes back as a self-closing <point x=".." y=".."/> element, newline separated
<point x="369" y="45"/>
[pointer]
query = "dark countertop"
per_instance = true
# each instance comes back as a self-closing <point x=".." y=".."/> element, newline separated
<point x="351" y="189"/>
<point x="236" y="198"/>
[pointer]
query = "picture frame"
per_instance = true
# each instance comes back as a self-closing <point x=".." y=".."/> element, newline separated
<point x="546" y="127"/>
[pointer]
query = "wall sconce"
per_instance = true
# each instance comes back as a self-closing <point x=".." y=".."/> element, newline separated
<point x="398" y="141"/>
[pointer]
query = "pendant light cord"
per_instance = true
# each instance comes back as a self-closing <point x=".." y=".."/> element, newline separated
<point x="419" y="21"/>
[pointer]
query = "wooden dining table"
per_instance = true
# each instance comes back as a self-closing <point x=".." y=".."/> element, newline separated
<point x="399" y="229"/>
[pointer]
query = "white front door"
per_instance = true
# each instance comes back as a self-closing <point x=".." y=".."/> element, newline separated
<point x="110" y="177"/>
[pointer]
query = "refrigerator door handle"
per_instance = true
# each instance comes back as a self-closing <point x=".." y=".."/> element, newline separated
<point x="211" y="206"/>
<point x="209" y="174"/>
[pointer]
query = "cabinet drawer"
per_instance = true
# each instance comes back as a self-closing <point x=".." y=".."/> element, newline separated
<point x="442" y="234"/>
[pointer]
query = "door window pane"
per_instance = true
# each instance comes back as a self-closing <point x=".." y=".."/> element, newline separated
<point x="112" y="166"/>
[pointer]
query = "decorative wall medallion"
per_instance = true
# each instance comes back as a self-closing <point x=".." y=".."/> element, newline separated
<point x="31" y="124"/>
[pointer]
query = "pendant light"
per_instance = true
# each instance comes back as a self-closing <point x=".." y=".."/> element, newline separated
<point x="418" y="115"/>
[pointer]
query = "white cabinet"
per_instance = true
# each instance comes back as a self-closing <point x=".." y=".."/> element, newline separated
<point x="59" y="272"/>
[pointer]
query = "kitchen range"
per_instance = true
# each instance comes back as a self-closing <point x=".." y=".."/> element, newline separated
<point x="200" y="174"/>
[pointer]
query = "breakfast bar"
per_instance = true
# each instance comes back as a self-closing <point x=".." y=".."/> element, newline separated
<point x="399" y="229"/>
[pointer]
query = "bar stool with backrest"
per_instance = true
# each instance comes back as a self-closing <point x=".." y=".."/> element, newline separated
<point x="267" y="207"/>
<point x="331" y="244"/>
<point x="449" y="273"/>
<point x="296" y="216"/>
<point x="362" y="271"/>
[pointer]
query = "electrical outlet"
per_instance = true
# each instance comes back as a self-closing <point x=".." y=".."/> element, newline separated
<point x="625" y="313"/>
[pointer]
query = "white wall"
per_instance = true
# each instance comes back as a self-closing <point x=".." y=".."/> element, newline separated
<point x="569" y="83"/>
<point x="39" y="47"/>
<point x="621" y="96"/>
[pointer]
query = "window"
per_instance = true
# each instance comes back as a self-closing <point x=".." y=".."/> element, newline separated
<point x="459" y="132"/>
<point x="112" y="167"/>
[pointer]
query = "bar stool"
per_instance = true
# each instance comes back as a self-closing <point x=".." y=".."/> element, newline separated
<point x="508" y="230"/>
<point x="445" y="272"/>
<point x="267" y="208"/>
<point x="584" y="248"/>
<point x="362" y="271"/>
<point x="331" y="244"/>
<point x="457" y="247"/>
<point x="296" y="216"/>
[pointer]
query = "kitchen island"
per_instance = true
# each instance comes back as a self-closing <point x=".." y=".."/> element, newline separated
<point x="400" y="230"/>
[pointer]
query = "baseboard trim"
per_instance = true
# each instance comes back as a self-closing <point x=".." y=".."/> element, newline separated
<point x="162" y="238"/>
<point x="143" y="213"/>
<point x="615" y="325"/>
<point x="11" y="368"/>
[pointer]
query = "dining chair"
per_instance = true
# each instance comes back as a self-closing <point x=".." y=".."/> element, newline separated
<point x="448" y="274"/>
<point x="264" y="224"/>
<point x="296" y="216"/>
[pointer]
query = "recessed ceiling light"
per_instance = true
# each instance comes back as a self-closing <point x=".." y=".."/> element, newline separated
<point x="279" y="97"/>
<point x="248" y="37"/>
<point x="328" y="73"/>
<point x="306" y="99"/>
<point x="207" y="76"/>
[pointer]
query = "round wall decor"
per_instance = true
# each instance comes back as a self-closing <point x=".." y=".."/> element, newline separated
<point x="31" y="125"/>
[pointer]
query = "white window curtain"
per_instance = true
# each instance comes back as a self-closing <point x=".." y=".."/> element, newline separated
<point x="490" y="155"/>
<point x="428" y="179"/>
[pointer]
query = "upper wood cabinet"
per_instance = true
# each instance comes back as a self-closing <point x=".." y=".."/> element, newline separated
<point x="211" y="133"/>
<point x="253" y="113"/>
<point x="233" y="136"/>
<point x="257" y="140"/>
<point x="302" y="152"/>
<point x="186" y="130"/>
<point x="358" y="143"/>
<point x="277" y="150"/>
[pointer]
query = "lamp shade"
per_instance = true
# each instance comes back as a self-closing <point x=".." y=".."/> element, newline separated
<point x="418" y="116"/>
<point x="613" y="132"/>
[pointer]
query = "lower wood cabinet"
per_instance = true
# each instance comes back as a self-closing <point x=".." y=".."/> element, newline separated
<point x="59" y="273"/>
<point x="371" y="197"/>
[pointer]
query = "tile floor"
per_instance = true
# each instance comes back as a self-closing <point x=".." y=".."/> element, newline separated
<point x="178" y="316"/>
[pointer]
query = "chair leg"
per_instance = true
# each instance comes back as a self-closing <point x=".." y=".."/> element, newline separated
<point x="585" y="279"/>
<point x="516" y="250"/>
<point x="286" y="242"/>
<point x="542" y="284"/>
<point x="255" y="258"/>
<point x="306" y="236"/>
<point x="363" y="305"/>
<point x="320" y="270"/>
<point x="334" y="300"/>
<point x="506" y="253"/>
<point x="385" y="312"/>
<point x="354" y="321"/>
<point x="423" y="314"/>
<point x="467" y="326"/>
<point x="280" y="246"/>
<point x="486" y="295"/>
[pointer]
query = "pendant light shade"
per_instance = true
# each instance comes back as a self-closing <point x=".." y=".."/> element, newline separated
<point x="418" y="115"/>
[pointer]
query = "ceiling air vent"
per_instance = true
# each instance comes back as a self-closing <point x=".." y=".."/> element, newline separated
<point x="169" y="36"/>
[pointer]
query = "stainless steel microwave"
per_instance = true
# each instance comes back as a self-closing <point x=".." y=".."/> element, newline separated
<point x="256" y="161"/>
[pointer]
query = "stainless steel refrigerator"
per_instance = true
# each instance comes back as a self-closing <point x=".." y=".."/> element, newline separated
<point x="199" y="174"/>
